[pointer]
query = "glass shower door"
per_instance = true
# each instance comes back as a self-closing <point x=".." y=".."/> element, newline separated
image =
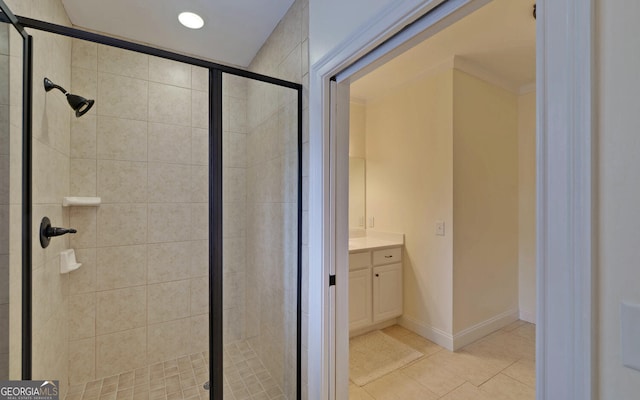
<point x="260" y="239"/>
<point x="133" y="320"/>
<point x="11" y="147"/>
<point x="194" y="245"/>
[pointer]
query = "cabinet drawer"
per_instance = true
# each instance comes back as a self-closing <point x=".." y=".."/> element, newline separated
<point x="359" y="260"/>
<point x="387" y="256"/>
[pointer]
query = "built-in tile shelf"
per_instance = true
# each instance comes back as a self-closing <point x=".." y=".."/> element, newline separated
<point x="81" y="201"/>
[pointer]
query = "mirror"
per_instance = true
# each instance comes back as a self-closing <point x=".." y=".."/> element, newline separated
<point x="356" y="193"/>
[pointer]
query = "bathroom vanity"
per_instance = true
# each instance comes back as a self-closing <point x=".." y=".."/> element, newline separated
<point x="375" y="281"/>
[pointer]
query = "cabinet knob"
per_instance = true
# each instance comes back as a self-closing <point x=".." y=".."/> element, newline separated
<point x="377" y="275"/>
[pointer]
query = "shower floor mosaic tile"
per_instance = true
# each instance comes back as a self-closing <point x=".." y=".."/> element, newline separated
<point x="182" y="379"/>
<point x="246" y="377"/>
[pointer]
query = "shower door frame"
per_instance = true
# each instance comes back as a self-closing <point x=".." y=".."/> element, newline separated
<point x="215" y="128"/>
<point x="26" y="216"/>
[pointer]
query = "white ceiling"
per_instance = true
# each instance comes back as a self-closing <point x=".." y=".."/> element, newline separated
<point x="497" y="42"/>
<point x="233" y="33"/>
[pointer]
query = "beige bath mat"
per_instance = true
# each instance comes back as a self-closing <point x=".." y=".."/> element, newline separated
<point x="376" y="354"/>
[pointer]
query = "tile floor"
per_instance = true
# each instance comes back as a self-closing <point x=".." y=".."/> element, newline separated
<point x="500" y="366"/>
<point x="183" y="379"/>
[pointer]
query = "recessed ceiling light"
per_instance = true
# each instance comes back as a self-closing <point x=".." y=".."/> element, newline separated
<point x="191" y="20"/>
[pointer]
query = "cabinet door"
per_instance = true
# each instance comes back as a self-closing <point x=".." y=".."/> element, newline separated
<point x="359" y="298"/>
<point x="387" y="292"/>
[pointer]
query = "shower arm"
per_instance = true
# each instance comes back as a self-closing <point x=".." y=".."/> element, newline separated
<point x="48" y="85"/>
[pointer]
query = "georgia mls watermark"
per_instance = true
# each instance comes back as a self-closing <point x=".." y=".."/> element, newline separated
<point x="29" y="390"/>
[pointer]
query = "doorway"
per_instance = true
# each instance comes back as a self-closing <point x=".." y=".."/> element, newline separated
<point x="443" y="131"/>
<point x="565" y="321"/>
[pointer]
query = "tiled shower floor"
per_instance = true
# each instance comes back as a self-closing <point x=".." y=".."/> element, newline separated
<point x="183" y="378"/>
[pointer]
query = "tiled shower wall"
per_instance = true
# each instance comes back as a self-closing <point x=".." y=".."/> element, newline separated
<point x="51" y="122"/>
<point x="5" y="176"/>
<point x="234" y="144"/>
<point x="285" y="55"/>
<point x="141" y="296"/>
<point x="272" y="200"/>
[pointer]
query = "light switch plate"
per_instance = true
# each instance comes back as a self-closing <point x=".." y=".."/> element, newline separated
<point x="440" y="228"/>
<point x="630" y="335"/>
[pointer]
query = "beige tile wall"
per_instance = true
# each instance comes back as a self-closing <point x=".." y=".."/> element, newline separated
<point x="234" y="143"/>
<point x="272" y="200"/>
<point x="51" y="116"/>
<point x="5" y="178"/>
<point x="141" y="296"/>
<point x="51" y="127"/>
<point x="171" y="231"/>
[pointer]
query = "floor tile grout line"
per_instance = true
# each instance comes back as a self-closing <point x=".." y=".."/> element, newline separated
<point x="456" y="388"/>
<point x="515" y="378"/>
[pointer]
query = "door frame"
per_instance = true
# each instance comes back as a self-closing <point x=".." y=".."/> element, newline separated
<point x="565" y="324"/>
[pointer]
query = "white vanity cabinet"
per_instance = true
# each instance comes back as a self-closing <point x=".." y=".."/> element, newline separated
<point x="360" y="298"/>
<point x="387" y="292"/>
<point x="375" y="286"/>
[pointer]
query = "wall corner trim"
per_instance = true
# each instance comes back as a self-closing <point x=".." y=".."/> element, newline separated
<point x="528" y="316"/>
<point x="437" y="336"/>
<point x="484" y="328"/>
<point x="467" y="336"/>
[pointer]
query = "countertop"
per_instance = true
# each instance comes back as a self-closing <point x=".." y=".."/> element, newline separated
<point x="375" y="240"/>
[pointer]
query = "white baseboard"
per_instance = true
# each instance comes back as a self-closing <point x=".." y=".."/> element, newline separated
<point x="528" y="316"/>
<point x="463" y="338"/>
<point x="484" y="328"/>
<point x="436" y="335"/>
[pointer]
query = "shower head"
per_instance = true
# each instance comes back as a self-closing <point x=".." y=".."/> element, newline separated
<point x="79" y="104"/>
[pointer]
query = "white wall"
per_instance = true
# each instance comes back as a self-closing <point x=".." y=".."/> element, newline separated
<point x="357" y="129"/>
<point x="445" y="147"/>
<point x="357" y="168"/>
<point x="331" y="21"/>
<point x="485" y="202"/>
<point x="617" y="188"/>
<point x="527" y="206"/>
<point x="410" y="186"/>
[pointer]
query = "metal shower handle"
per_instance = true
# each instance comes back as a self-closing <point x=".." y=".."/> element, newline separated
<point x="47" y="232"/>
<point x="53" y="231"/>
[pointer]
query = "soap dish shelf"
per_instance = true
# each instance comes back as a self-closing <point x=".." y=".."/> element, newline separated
<point x="68" y="261"/>
<point x="81" y="201"/>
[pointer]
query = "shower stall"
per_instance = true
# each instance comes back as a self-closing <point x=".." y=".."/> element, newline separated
<point x="182" y="183"/>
